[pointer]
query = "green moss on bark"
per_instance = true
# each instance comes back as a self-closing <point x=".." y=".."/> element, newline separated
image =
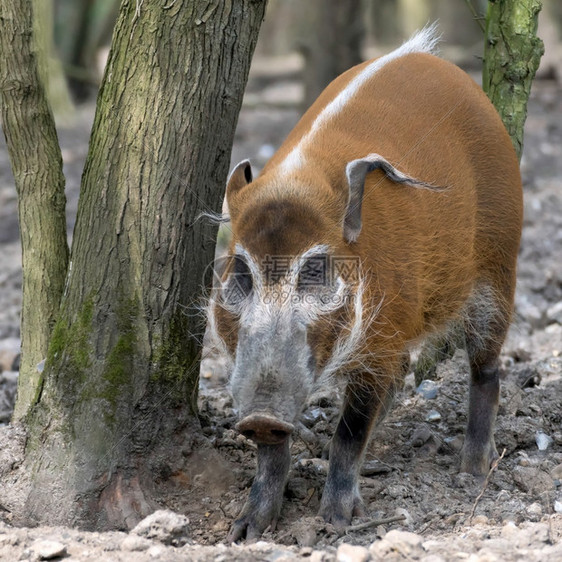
<point x="120" y="362"/>
<point x="511" y="58"/>
<point x="174" y="360"/>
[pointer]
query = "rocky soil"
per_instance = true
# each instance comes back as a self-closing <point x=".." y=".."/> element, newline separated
<point x="411" y="469"/>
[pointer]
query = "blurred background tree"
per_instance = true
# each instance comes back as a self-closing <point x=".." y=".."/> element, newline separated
<point x="82" y="29"/>
<point x="50" y="69"/>
<point x="329" y="35"/>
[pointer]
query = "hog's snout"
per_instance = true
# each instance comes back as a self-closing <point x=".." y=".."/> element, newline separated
<point x="265" y="429"/>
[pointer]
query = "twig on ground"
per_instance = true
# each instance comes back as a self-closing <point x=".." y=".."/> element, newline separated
<point x="374" y="523"/>
<point x="479" y="497"/>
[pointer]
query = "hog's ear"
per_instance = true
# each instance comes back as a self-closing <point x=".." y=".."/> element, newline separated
<point x="238" y="178"/>
<point x="356" y="172"/>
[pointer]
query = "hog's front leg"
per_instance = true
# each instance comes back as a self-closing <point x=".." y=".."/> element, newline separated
<point x="364" y="403"/>
<point x="266" y="495"/>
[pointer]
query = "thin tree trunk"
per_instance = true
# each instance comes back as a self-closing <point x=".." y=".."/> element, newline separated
<point x="512" y="54"/>
<point x="335" y="34"/>
<point x="117" y="410"/>
<point x="37" y="166"/>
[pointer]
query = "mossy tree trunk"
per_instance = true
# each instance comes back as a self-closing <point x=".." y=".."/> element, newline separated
<point x="512" y="53"/>
<point x="117" y="408"/>
<point x="334" y="36"/>
<point x="37" y="166"/>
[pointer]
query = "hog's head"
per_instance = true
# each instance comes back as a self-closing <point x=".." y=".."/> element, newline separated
<point x="289" y="306"/>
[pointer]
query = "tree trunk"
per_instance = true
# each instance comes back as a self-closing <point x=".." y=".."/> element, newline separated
<point x="335" y="35"/>
<point x="118" y="407"/>
<point x="511" y="57"/>
<point x="37" y="166"/>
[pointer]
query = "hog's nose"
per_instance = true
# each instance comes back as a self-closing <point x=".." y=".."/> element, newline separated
<point x="265" y="429"/>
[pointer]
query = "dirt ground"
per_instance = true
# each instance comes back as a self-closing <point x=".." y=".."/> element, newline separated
<point x="411" y="468"/>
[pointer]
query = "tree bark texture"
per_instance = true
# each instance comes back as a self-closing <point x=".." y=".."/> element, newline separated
<point x="118" y="406"/>
<point x="336" y="32"/>
<point x="37" y="166"/>
<point x="511" y="58"/>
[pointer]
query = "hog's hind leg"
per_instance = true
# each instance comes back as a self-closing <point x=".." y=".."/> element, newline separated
<point x="266" y="494"/>
<point x="365" y="402"/>
<point x="486" y="324"/>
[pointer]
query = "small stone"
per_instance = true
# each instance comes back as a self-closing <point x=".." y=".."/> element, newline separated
<point x="503" y="496"/>
<point x="433" y="416"/>
<point x="350" y="553"/>
<point x="454" y="443"/>
<point x="427" y="389"/>
<point x="480" y="520"/>
<point x="374" y="467"/>
<point x="558" y="506"/>
<point x="421" y="435"/>
<point x="534" y="511"/>
<point x="403" y="541"/>
<point x="164" y="526"/>
<point x="543" y="440"/>
<point x="509" y="530"/>
<point x="47" y="549"/>
<point x="318" y="466"/>
<point x="532" y="479"/>
<point x="134" y="543"/>
<point x="406" y="514"/>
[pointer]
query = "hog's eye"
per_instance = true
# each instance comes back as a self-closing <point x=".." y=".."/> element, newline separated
<point x="239" y="284"/>
<point x="314" y="273"/>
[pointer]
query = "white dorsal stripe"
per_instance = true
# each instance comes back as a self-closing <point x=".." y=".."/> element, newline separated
<point x="424" y="41"/>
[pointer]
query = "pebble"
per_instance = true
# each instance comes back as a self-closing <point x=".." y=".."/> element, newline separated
<point x="319" y="466"/>
<point x="558" y="506"/>
<point x="534" y="511"/>
<point x="350" y="553"/>
<point x="433" y="416"/>
<point x="509" y="530"/>
<point x="421" y="435"/>
<point x="543" y="440"/>
<point x="374" y="467"/>
<point x="47" y="550"/>
<point x="532" y="479"/>
<point x="427" y="389"/>
<point x="404" y="542"/>
<point x="164" y="526"/>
